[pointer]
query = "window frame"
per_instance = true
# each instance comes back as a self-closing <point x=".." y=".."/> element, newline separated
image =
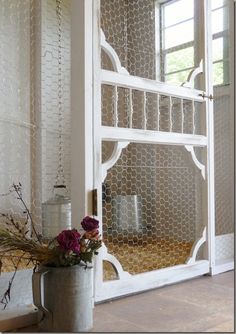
<point x="196" y="39"/>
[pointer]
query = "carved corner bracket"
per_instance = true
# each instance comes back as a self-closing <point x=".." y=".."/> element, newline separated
<point x="198" y="164"/>
<point x="109" y="50"/>
<point x="119" y="146"/>
<point x="192" y="75"/>
<point x="195" y="248"/>
<point x="115" y="263"/>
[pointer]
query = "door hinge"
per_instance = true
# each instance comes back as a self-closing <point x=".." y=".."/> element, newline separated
<point x="205" y="96"/>
<point x="95" y="201"/>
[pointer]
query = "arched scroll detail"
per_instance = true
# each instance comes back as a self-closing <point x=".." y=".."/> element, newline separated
<point x="108" y="49"/>
<point x="192" y="75"/>
<point x="119" y="146"/>
<point x="114" y="262"/>
<point x="195" y="248"/>
<point x="199" y="165"/>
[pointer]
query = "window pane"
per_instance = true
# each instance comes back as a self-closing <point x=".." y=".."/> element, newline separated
<point x="178" y="34"/>
<point x="178" y="60"/>
<point x="218" y="74"/>
<point x="217" y="20"/>
<point x="177" y="78"/>
<point x="217" y="49"/>
<point x="216" y="3"/>
<point x="177" y="11"/>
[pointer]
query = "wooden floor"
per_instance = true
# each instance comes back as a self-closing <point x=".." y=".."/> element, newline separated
<point x="204" y="304"/>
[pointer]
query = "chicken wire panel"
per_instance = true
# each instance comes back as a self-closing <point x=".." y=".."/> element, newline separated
<point x="129" y="26"/>
<point x="151" y="207"/>
<point x="224" y="168"/>
<point x="29" y="136"/>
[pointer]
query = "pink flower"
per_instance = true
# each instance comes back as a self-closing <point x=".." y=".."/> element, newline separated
<point x="89" y="224"/>
<point x="92" y="235"/>
<point x="69" y="240"/>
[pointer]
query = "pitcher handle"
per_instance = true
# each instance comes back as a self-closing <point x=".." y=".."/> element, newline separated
<point x="37" y="291"/>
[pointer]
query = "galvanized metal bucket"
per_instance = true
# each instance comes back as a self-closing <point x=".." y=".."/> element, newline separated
<point x="126" y="213"/>
<point x="64" y="295"/>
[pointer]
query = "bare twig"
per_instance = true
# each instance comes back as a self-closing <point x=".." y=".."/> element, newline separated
<point x="17" y="189"/>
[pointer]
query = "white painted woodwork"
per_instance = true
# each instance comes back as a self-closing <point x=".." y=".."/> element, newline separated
<point x="192" y="75"/>
<point x="82" y="109"/>
<point x="115" y="106"/>
<point x="196" y="246"/>
<point x="193" y="117"/>
<point x="150" y="280"/>
<point x="197" y="163"/>
<point x="207" y="68"/>
<point x="119" y="146"/>
<point x="170" y="112"/>
<point x="109" y="50"/>
<point x="97" y="141"/>
<point x="121" y="274"/>
<point x="151" y="137"/>
<point x="131" y="110"/>
<point x="158" y="112"/>
<point x="182" y="115"/>
<point x="222" y="266"/>
<point x="144" y="111"/>
<point x="151" y="86"/>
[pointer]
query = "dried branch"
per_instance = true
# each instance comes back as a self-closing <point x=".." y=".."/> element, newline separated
<point x="7" y="294"/>
<point x="17" y="189"/>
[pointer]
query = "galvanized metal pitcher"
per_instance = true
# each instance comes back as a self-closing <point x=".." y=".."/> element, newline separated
<point x="64" y="295"/>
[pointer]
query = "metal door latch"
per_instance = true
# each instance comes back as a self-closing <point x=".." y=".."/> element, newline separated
<point x="204" y="96"/>
<point x="95" y="201"/>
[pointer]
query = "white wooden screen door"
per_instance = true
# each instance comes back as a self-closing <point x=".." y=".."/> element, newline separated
<point x="152" y="147"/>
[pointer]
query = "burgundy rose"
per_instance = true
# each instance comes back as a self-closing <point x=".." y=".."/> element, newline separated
<point x="89" y="224"/>
<point x="69" y="240"/>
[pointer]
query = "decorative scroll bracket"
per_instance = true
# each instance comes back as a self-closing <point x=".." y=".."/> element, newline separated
<point x="119" y="146"/>
<point x="115" y="263"/>
<point x="195" y="248"/>
<point x="192" y="75"/>
<point x="108" y="49"/>
<point x="199" y="165"/>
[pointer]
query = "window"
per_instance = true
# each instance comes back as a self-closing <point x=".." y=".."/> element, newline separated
<point x="177" y="40"/>
<point x="220" y="47"/>
<point x="177" y="43"/>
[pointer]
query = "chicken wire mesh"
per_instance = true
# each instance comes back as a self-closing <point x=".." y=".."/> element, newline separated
<point x="224" y="130"/>
<point x="29" y="119"/>
<point x="151" y="207"/>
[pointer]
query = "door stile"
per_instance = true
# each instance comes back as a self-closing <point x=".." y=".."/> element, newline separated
<point x="97" y="138"/>
<point x="209" y="134"/>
